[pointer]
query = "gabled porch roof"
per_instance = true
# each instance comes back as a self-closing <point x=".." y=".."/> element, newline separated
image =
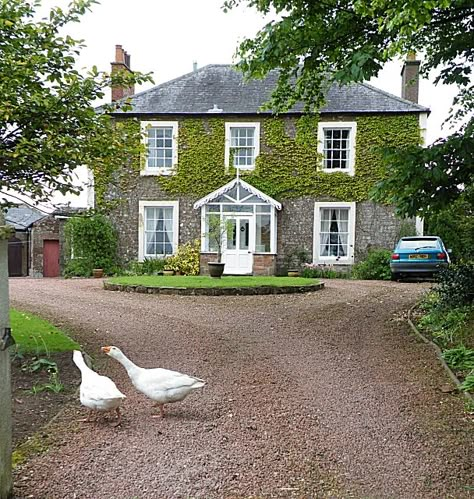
<point x="229" y="186"/>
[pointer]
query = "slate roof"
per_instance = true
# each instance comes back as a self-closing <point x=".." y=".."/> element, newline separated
<point x="222" y="86"/>
<point x="22" y="217"/>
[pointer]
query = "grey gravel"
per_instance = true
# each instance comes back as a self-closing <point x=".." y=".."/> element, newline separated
<point x="320" y="395"/>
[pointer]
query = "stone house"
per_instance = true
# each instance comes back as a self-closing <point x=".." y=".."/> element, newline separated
<point x="284" y="183"/>
<point x="37" y="248"/>
<point x="34" y="249"/>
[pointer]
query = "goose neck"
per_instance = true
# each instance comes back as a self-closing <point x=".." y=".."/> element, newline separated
<point x="127" y="363"/>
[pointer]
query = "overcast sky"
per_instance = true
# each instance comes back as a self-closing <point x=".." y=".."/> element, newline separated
<point x="165" y="37"/>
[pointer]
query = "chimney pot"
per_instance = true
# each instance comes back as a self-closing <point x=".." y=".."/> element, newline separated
<point x="121" y="63"/>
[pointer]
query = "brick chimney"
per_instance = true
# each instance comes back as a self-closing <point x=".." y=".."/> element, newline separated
<point x="121" y="63"/>
<point x="410" y="78"/>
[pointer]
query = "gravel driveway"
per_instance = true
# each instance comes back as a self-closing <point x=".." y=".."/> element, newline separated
<point x="318" y="395"/>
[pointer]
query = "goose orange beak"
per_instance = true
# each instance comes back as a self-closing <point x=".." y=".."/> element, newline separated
<point x="105" y="349"/>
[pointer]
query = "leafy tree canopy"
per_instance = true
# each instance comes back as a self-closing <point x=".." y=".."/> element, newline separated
<point x="48" y="125"/>
<point x="315" y="44"/>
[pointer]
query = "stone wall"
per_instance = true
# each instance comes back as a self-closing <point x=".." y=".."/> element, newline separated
<point x="264" y="264"/>
<point x="125" y="218"/>
<point x="45" y="229"/>
<point x="375" y="226"/>
<point x="295" y="229"/>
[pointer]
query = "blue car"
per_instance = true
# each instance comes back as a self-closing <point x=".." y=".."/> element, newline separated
<point x="418" y="256"/>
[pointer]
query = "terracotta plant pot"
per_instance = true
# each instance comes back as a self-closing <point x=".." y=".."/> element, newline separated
<point x="98" y="273"/>
<point x="216" y="269"/>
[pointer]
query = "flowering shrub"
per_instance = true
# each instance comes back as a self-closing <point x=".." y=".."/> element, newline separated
<point x="186" y="259"/>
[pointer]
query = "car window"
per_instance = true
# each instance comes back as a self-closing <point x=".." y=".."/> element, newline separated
<point x="418" y="243"/>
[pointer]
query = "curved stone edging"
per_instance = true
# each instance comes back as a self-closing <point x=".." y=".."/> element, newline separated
<point x="257" y="290"/>
<point x="439" y="354"/>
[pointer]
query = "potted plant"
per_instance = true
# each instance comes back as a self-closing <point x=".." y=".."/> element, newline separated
<point x="168" y="268"/>
<point x="294" y="261"/>
<point x="98" y="273"/>
<point x="217" y="229"/>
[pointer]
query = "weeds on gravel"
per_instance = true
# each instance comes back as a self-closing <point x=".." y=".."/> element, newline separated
<point x="54" y="384"/>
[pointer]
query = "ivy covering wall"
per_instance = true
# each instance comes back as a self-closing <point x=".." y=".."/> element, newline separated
<point x="288" y="165"/>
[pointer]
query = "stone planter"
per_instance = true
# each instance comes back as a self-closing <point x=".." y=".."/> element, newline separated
<point x="168" y="272"/>
<point x="293" y="273"/>
<point x="216" y="269"/>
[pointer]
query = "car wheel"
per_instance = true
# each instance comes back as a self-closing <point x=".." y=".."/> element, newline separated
<point x="395" y="276"/>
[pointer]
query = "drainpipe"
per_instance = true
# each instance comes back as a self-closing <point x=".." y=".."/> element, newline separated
<point x="6" y="484"/>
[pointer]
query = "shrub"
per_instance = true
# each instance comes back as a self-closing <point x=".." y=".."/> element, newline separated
<point x="468" y="385"/>
<point x="456" y="285"/>
<point x="186" y="259"/>
<point x="455" y="225"/>
<point x="460" y="358"/>
<point x="447" y="327"/>
<point x="375" y="266"/>
<point x="152" y="266"/>
<point x="295" y="258"/>
<point x="149" y="266"/>
<point x="313" y="270"/>
<point x="91" y="243"/>
<point x="78" y="267"/>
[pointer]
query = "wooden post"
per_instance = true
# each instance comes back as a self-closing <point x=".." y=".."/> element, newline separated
<point x="6" y="483"/>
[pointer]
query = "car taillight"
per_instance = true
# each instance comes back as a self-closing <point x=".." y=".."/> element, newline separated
<point x="441" y="256"/>
<point x="395" y="256"/>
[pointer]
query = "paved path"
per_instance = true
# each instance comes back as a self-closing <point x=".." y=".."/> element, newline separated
<point x="319" y="395"/>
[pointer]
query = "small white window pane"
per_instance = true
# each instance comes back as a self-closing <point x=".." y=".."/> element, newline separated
<point x="343" y="226"/>
<point x="325" y="225"/>
<point x="243" y="234"/>
<point x="263" y="233"/>
<point x="232" y="234"/>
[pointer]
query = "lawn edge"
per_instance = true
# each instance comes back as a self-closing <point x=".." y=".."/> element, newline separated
<point x="224" y="291"/>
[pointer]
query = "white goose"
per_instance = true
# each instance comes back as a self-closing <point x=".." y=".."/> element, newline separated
<point x="161" y="385"/>
<point x="98" y="393"/>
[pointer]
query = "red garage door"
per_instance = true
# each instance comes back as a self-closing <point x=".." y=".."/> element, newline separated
<point x="50" y="258"/>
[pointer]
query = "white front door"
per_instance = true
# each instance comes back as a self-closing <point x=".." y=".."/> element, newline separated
<point x="239" y="245"/>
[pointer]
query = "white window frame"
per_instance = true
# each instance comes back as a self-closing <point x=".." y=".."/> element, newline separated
<point x="352" y="126"/>
<point x="141" y="225"/>
<point x="252" y="216"/>
<point x="347" y="260"/>
<point x="235" y="124"/>
<point x="145" y="125"/>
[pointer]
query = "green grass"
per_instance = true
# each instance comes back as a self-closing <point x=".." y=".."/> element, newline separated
<point x="209" y="282"/>
<point x="37" y="336"/>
